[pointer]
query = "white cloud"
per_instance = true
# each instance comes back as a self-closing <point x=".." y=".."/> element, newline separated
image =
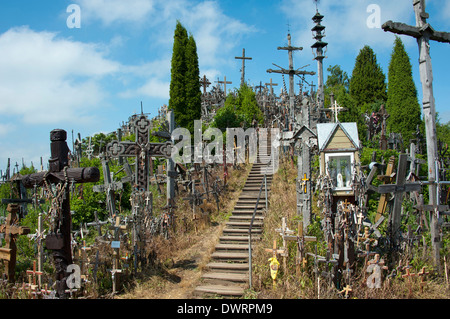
<point x="46" y="79"/>
<point x="115" y="11"/>
<point x="346" y="23"/>
<point x="153" y="87"/>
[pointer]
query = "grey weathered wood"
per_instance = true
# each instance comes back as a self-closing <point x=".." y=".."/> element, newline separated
<point x="395" y="216"/>
<point x="243" y="58"/>
<point x="423" y="32"/>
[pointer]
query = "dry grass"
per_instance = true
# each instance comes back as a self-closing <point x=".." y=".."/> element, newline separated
<point x="181" y="258"/>
<point x="293" y="282"/>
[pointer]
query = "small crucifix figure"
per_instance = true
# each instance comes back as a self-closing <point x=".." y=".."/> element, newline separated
<point x="304" y="181"/>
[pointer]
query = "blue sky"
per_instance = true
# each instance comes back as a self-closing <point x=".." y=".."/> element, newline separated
<point x="91" y="79"/>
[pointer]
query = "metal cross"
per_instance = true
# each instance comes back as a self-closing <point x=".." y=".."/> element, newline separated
<point x="141" y="149"/>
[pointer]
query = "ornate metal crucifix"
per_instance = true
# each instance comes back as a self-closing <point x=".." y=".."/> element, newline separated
<point x="141" y="149"/>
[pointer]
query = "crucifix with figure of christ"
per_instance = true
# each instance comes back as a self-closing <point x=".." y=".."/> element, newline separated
<point x="423" y="32"/>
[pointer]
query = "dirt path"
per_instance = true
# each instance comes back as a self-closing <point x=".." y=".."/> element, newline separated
<point x="182" y="273"/>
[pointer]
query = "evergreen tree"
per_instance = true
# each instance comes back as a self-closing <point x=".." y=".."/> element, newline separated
<point x="402" y="104"/>
<point x="367" y="87"/>
<point x="193" y="92"/>
<point x="185" y="94"/>
<point x="368" y="82"/>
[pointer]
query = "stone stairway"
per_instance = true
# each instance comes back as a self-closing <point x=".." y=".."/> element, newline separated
<point x="226" y="274"/>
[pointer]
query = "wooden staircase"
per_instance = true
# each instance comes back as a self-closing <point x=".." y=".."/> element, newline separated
<point x="227" y="274"/>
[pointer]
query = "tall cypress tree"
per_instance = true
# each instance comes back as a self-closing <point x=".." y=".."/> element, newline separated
<point x="178" y="71"/>
<point x="368" y="82"/>
<point x="367" y="87"/>
<point x="192" y="88"/>
<point x="402" y="103"/>
<point x="185" y="93"/>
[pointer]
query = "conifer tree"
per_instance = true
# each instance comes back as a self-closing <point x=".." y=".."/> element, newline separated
<point x="402" y="104"/>
<point x="368" y="82"/>
<point x="367" y="87"/>
<point x="185" y="94"/>
<point x="192" y="89"/>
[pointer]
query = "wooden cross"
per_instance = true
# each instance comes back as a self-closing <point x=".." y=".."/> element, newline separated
<point x="11" y="230"/>
<point x="301" y="240"/>
<point x="33" y="273"/>
<point x="336" y="108"/>
<point x="109" y="187"/>
<point x="141" y="149"/>
<point x="422" y="275"/>
<point x="59" y="173"/>
<point x="224" y="82"/>
<point x="243" y="58"/>
<point x="408" y="275"/>
<point x="274" y="250"/>
<point x="375" y="265"/>
<point x="205" y="83"/>
<point x="346" y="291"/>
<point x="291" y="72"/>
<point x="387" y="179"/>
<point x="384" y="116"/>
<point x="271" y="85"/>
<point x="423" y="32"/>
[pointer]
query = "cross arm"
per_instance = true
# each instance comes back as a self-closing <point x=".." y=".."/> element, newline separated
<point x="77" y="174"/>
<point x="416" y="32"/>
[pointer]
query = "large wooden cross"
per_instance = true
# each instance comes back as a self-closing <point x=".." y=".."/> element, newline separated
<point x="11" y="230"/>
<point x="243" y="58"/>
<point x="291" y="72"/>
<point x="205" y="83"/>
<point x="423" y="32"/>
<point x="59" y="173"/>
<point x="141" y="149"/>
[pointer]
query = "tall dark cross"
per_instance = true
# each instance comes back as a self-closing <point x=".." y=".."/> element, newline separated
<point x="291" y="73"/>
<point x="243" y="58"/>
<point x="141" y="149"/>
<point x="224" y="82"/>
<point x="205" y="83"/>
<point x="61" y="175"/>
<point x="423" y="32"/>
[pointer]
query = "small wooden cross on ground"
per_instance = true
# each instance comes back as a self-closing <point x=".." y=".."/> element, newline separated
<point x="32" y="274"/>
<point x="346" y="291"/>
<point x="301" y="240"/>
<point x="274" y="251"/>
<point x="11" y="230"/>
<point x="409" y="275"/>
<point x="422" y="274"/>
